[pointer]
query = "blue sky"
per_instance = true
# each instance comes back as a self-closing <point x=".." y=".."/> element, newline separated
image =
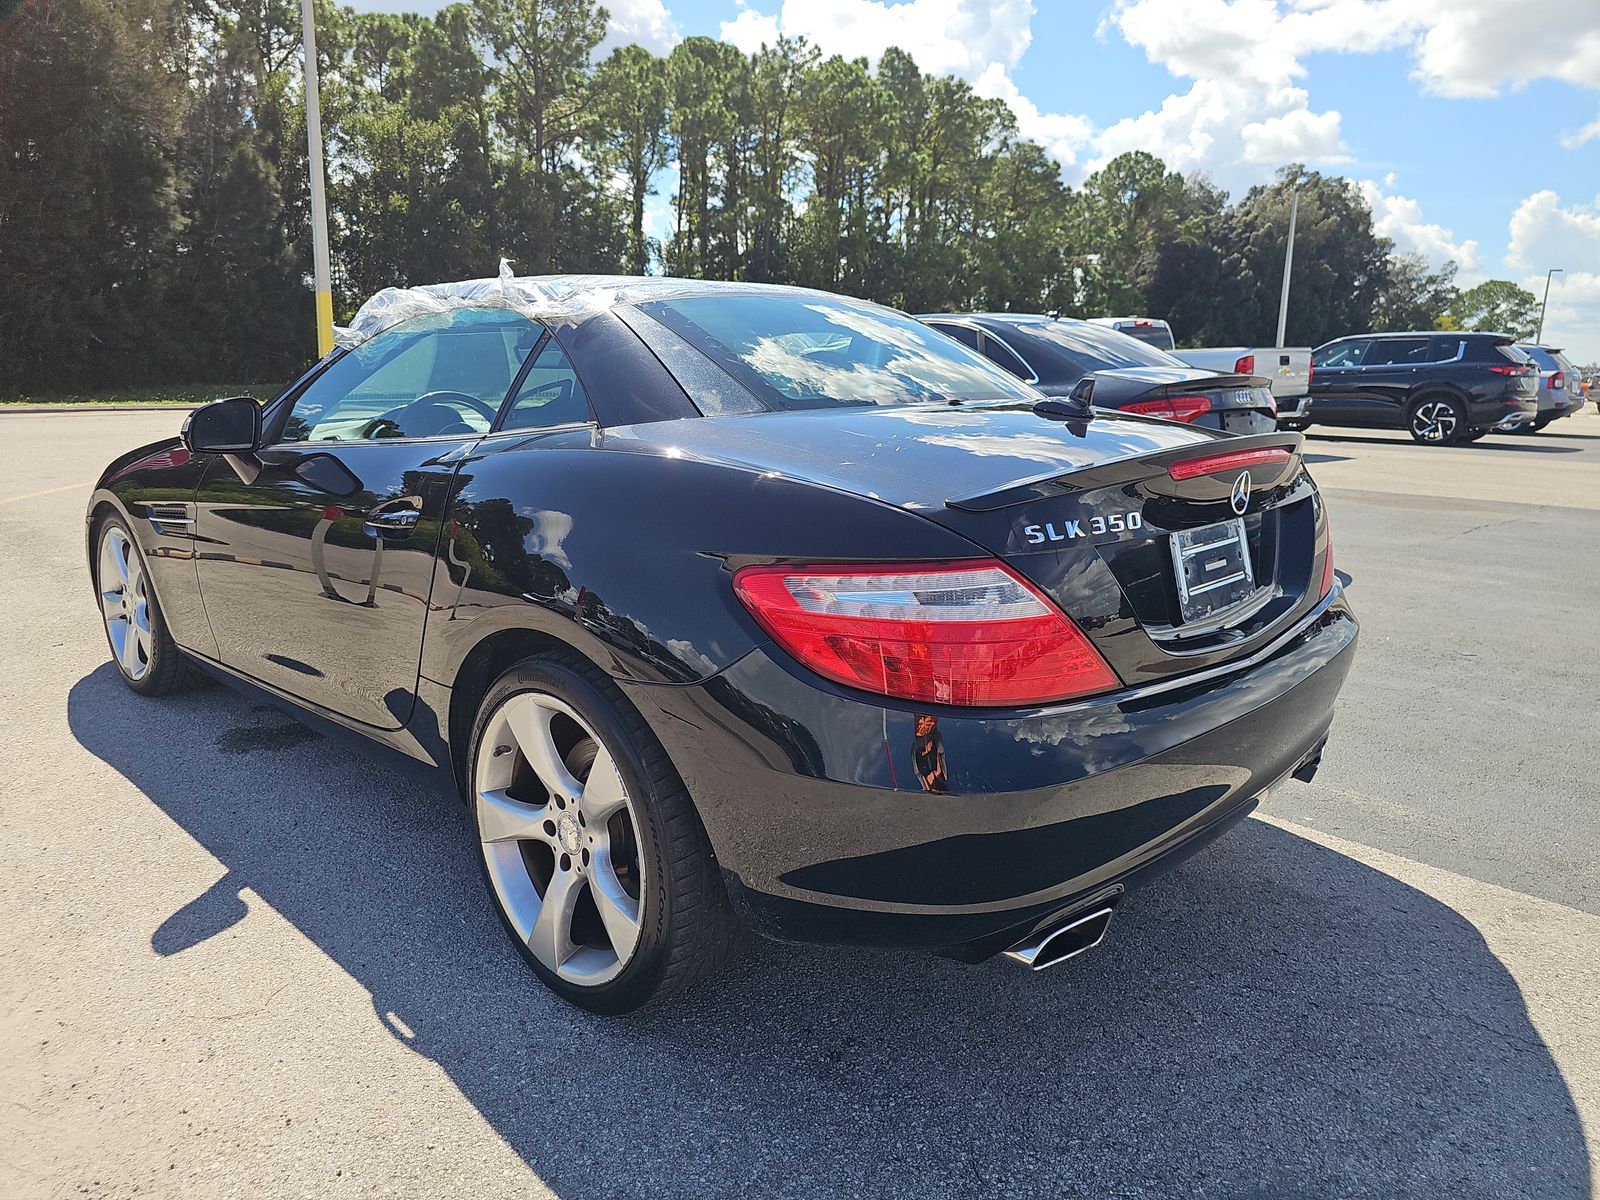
<point x="1472" y="125"/>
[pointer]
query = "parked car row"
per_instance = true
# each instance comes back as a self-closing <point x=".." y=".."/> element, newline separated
<point x="1442" y="387"/>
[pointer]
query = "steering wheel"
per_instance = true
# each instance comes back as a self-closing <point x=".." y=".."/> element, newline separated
<point x="411" y="420"/>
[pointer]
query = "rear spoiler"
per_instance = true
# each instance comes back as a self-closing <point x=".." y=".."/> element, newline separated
<point x="1114" y="471"/>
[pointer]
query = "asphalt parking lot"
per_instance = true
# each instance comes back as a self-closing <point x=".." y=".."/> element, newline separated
<point x="241" y="959"/>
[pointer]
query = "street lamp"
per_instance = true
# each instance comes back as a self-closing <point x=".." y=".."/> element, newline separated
<point x="1538" y="338"/>
<point x="319" y="205"/>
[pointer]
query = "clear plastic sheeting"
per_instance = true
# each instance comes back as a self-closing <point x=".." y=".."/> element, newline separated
<point x="540" y="297"/>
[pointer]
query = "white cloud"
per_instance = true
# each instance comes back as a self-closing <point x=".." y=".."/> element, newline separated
<point x="980" y="41"/>
<point x="946" y="37"/>
<point x="1546" y="234"/>
<point x="1458" y="47"/>
<point x="1476" y="47"/>
<point x="1579" y="137"/>
<point x="1063" y="135"/>
<point x="750" y="30"/>
<point x="1243" y="55"/>
<point x="643" y="22"/>
<point x="1236" y="129"/>
<point x="1400" y="219"/>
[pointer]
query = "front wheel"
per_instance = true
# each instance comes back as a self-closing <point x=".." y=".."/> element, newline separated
<point x="592" y="851"/>
<point x="147" y="658"/>
<point x="1437" y="421"/>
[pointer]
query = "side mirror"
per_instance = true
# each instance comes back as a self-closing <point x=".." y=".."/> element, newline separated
<point x="231" y="426"/>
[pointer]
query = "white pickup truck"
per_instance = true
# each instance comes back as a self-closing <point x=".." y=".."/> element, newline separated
<point x="1289" y="368"/>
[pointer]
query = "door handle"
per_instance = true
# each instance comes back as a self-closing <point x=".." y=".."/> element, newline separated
<point x="393" y="520"/>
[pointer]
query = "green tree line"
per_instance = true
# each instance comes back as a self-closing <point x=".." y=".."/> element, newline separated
<point x="154" y="221"/>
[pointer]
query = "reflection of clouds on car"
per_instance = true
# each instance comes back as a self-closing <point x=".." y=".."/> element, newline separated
<point x="1025" y="447"/>
<point x="550" y="528"/>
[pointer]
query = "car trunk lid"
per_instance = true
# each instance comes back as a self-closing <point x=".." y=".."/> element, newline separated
<point x="1086" y="509"/>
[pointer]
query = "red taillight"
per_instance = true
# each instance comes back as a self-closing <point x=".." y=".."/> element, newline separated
<point x="1511" y="370"/>
<point x="970" y="633"/>
<point x="1232" y="460"/>
<point x="1245" y="366"/>
<point x="1311" y="373"/>
<point x="1558" y="381"/>
<point x="1173" y="408"/>
<point x="1327" y="555"/>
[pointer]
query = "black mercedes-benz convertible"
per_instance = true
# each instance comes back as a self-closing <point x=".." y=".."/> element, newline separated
<point x="740" y="606"/>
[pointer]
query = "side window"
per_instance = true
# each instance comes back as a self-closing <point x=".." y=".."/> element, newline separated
<point x="1341" y="354"/>
<point x="1444" y="349"/>
<point x="1397" y="352"/>
<point x="550" y="395"/>
<point x="964" y="334"/>
<point x="442" y="374"/>
<point x="1000" y="354"/>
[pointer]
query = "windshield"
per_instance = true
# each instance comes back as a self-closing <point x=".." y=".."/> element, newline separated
<point x="1077" y="348"/>
<point x="798" y="350"/>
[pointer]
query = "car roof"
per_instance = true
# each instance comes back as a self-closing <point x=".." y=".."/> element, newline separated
<point x="1416" y="333"/>
<point x="541" y="297"/>
<point x="1002" y="318"/>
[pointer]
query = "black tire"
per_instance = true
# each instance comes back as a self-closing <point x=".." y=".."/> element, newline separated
<point x="1436" y="420"/>
<point x="165" y="668"/>
<point x="687" y="930"/>
<point x="1539" y="424"/>
<point x="1473" y="435"/>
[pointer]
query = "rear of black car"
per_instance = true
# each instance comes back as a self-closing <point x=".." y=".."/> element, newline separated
<point x="888" y="764"/>
<point x="1098" y="363"/>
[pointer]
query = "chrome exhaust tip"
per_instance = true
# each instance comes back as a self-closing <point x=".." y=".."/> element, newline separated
<point x="1063" y="942"/>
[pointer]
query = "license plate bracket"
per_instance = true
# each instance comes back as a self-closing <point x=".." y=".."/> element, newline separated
<point x="1213" y="569"/>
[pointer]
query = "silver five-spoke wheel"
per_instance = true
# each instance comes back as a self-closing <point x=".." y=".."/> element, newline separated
<point x="560" y="838"/>
<point x="1434" y="421"/>
<point x="125" y="602"/>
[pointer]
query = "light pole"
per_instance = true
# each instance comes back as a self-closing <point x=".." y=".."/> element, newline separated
<point x="1288" y="265"/>
<point x="319" y="203"/>
<point x="1539" y="337"/>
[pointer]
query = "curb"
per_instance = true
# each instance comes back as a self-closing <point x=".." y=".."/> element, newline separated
<point x="98" y="408"/>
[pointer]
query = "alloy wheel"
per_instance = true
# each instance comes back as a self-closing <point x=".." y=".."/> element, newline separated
<point x="125" y="602"/>
<point x="560" y="838"/>
<point x="1434" y="421"/>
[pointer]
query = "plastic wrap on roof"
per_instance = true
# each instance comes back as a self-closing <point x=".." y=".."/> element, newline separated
<point x="537" y="296"/>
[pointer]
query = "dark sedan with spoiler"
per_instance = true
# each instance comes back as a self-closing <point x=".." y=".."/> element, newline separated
<point x="1092" y="362"/>
<point x="736" y="606"/>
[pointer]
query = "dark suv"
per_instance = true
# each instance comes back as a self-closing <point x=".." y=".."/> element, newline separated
<point x="1443" y="387"/>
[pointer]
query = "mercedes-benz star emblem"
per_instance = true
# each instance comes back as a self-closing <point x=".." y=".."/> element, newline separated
<point x="1239" y="498"/>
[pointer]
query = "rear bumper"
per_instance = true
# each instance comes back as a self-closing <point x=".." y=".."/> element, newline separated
<point x="1553" y="406"/>
<point x="1505" y="412"/>
<point x="1294" y="408"/>
<point x="842" y="820"/>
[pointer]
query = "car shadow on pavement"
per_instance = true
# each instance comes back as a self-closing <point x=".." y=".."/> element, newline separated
<point x="1511" y="442"/>
<point x="1272" y="1019"/>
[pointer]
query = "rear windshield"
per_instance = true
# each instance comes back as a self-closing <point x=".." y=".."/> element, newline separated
<point x="1154" y="333"/>
<point x="1078" y="348"/>
<point x="1541" y="357"/>
<point x="815" y="351"/>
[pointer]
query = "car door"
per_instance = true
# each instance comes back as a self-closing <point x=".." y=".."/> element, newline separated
<point x="1391" y="371"/>
<point x="316" y="554"/>
<point x="1337" y="396"/>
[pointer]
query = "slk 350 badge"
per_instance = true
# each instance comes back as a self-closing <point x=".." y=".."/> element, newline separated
<point x="1063" y="531"/>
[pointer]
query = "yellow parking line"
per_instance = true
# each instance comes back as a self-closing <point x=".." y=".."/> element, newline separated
<point x="69" y="487"/>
